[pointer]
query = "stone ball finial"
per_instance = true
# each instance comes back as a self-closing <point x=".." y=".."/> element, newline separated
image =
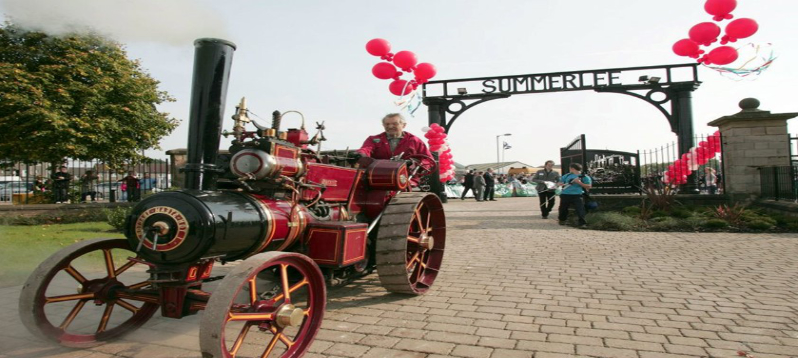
<point x="749" y="104"/>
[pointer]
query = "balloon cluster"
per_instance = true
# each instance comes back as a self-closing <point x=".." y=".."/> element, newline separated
<point x="404" y="60"/>
<point x="707" y="33"/>
<point x="690" y="161"/>
<point x="437" y="141"/>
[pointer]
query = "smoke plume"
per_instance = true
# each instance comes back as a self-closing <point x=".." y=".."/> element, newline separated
<point x="176" y="22"/>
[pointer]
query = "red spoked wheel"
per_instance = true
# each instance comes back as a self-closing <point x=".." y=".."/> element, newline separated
<point x="410" y="243"/>
<point x="78" y="297"/>
<point x="270" y="305"/>
<point x="419" y="162"/>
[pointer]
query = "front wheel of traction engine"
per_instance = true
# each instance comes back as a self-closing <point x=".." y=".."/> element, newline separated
<point x="270" y="305"/>
<point x="79" y="297"/>
<point x="410" y="243"/>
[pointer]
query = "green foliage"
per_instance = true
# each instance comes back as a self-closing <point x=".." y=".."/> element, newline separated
<point x="632" y="210"/>
<point x="731" y="214"/>
<point x="758" y="225"/>
<point x="58" y="217"/>
<point x="668" y="224"/>
<point x="785" y="221"/>
<point x="715" y="224"/>
<point x="695" y="221"/>
<point x="659" y="214"/>
<point x="659" y="199"/>
<point x="680" y="213"/>
<point x="76" y="96"/>
<point x="116" y="217"/>
<point x="25" y="247"/>
<point x="612" y="221"/>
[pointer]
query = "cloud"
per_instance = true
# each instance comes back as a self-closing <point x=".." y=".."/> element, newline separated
<point x="175" y="22"/>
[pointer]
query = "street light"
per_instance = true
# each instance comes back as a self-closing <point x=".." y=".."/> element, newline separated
<point x="497" y="138"/>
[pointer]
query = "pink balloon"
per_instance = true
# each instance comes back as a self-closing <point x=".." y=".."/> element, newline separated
<point x="723" y="55"/>
<point x="400" y="87"/>
<point x="720" y="8"/>
<point x="739" y="29"/>
<point x="687" y="47"/>
<point x="405" y="60"/>
<point x="425" y="71"/>
<point x="384" y="70"/>
<point x="378" y="47"/>
<point x="704" y="33"/>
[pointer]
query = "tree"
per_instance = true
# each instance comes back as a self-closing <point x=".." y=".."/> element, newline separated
<point x="76" y="96"/>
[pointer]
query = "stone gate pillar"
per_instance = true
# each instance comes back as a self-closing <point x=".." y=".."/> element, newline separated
<point x="751" y="139"/>
<point x="177" y="162"/>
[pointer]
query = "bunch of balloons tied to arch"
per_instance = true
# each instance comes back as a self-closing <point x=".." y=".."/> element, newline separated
<point x="707" y="33"/>
<point x="403" y="60"/>
<point x="437" y="142"/>
<point x="692" y="160"/>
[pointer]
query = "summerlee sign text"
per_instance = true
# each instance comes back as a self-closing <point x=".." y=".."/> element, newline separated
<point x="551" y="82"/>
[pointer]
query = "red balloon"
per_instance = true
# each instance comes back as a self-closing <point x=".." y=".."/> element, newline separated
<point x="702" y="145"/>
<point x="400" y="87"/>
<point x="405" y="60"/>
<point x="721" y="9"/>
<point x="686" y="47"/>
<point x="384" y="70"/>
<point x="425" y="71"/>
<point x="704" y="33"/>
<point x="739" y="29"/>
<point x="723" y="55"/>
<point x="378" y="47"/>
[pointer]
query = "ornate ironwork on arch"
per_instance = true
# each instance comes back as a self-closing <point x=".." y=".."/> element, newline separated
<point x="656" y="85"/>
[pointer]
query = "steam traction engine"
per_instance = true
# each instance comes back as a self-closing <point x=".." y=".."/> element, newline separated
<point x="295" y="218"/>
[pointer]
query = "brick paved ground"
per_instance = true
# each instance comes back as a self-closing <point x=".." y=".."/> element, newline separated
<point x="515" y="285"/>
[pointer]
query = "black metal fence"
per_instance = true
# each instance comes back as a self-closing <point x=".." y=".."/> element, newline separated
<point x="655" y="162"/>
<point x="27" y="183"/>
<point x="779" y="182"/>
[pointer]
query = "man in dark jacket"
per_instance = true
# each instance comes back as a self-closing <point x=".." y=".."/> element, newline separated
<point x="547" y="196"/>
<point x="61" y="180"/>
<point x="489" y="192"/>
<point x="469" y="181"/>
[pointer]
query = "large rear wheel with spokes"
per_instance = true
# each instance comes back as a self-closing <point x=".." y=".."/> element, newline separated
<point x="270" y="305"/>
<point x="410" y="243"/>
<point x="79" y="297"/>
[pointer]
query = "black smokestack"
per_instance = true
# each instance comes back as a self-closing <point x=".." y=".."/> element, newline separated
<point x="212" y="66"/>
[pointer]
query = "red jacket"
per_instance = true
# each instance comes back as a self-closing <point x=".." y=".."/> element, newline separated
<point x="377" y="147"/>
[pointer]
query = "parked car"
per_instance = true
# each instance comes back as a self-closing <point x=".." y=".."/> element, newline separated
<point x="8" y="189"/>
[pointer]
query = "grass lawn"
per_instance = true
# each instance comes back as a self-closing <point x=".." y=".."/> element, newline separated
<point x="25" y="247"/>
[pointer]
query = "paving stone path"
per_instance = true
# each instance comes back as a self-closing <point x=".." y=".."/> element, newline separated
<point x="515" y="285"/>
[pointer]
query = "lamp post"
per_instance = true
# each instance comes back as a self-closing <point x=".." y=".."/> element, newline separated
<point x="497" y="139"/>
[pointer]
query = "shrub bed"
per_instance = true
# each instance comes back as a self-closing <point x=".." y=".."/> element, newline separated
<point x="698" y="219"/>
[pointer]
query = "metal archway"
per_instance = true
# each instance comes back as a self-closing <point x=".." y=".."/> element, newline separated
<point x="453" y="97"/>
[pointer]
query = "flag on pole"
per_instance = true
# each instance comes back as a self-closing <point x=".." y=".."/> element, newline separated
<point x="506" y="146"/>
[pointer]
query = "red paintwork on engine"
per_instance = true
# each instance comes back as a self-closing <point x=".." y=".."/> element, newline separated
<point x="298" y="137"/>
<point x="285" y="223"/>
<point x="338" y="181"/>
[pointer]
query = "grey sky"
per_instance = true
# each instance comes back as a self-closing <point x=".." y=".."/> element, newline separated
<point x="309" y="56"/>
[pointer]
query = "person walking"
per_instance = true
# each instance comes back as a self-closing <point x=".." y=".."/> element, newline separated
<point x="61" y="180"/>
<point x="572" y="195"/>
<point x="469" y="183"/>
<point x="132" y="186"/>
<point x="489" y="191"/>
<point x="711" y="180"/>
<point x="480" y="184"/>
<point x="547" y="196"/>
<point x="147" y="184"/>
<point x="88" y="185"/>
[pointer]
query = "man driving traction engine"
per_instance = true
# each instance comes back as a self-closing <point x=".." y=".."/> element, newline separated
<point x="396" y="144"/>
